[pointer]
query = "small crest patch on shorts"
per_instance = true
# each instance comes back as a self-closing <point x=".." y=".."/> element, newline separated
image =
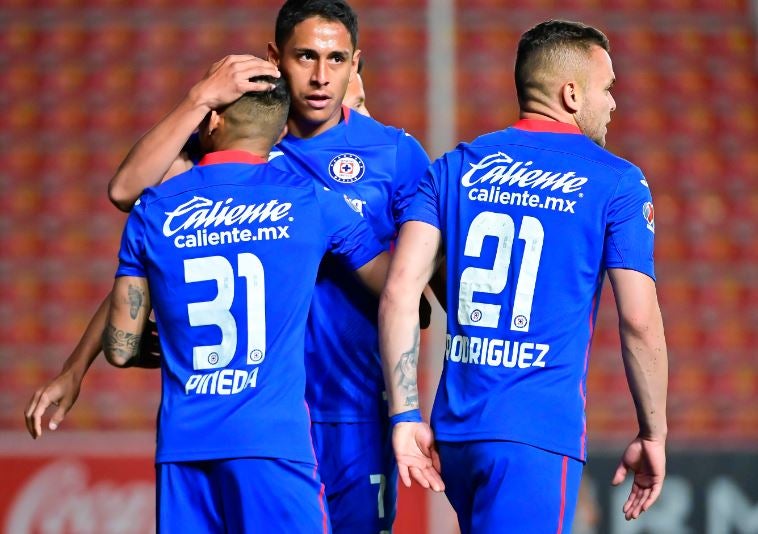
<point x="346" y="168"/>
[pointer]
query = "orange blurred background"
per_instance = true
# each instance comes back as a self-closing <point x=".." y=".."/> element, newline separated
<point x="80" y="81"/>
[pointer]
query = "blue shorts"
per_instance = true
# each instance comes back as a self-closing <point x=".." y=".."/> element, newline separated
<point x="504" y="486"/>
<point x="240" y="495"/>
<point x="358" y="468"/>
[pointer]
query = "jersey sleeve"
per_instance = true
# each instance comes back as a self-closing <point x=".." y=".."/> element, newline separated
<point x="350" y="237"/>
<point x="427" y="203"/>
<point x="630" y="227"/>
<point x="411" y="165"/>
<point x="132" y="252"/>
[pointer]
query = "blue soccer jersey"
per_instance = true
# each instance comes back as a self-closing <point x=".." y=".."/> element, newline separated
<point x="531" y="217"/>
<point x="376" y="168"/>
<point x="231" y="251"/>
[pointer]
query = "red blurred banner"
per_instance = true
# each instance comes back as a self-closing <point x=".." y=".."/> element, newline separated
<point x="103" y="483"/>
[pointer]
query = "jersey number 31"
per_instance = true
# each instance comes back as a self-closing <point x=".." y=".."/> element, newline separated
<point x="217" y="311"/>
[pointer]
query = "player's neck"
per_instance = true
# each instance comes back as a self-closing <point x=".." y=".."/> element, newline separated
<point x="547" y="116"/>
<point x="257" y="148"/>
<point x="305" y="129"/>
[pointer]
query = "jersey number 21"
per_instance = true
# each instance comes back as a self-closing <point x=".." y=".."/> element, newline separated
<point x="475" y="279"/>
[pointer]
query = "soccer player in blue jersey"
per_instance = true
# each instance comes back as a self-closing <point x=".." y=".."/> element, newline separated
<point x="530" y="219"/>
<point x="212" y="252"/>
<point x="374" y="167"/>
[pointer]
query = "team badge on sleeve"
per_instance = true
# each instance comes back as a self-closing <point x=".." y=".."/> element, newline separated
<point x="649" y="214"/>
<point x="346" y="168"/>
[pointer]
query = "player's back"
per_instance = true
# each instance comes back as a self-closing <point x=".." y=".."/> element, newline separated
<point x="530" y="221"/>
<point x="231" y="253"/>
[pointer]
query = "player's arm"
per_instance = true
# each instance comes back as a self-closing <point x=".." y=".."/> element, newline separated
<point x="63" y="390"/>
<point x="149" y="160"/>
<point x="412" y="265"/>
<point x="643" y="348"/>
<point x="127" y="316"/>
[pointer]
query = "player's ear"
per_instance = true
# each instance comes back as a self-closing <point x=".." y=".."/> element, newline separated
<point x="571" y="96"/>
<point x="356" y="60"/>
<point x="272" y="54"/>
<point x="214" y="120"/>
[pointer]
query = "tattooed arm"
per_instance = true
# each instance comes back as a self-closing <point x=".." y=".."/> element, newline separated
<point x="130" y="307"/>
<point x="410" y="269"/>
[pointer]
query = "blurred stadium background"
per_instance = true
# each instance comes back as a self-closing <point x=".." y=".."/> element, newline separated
<point x="81" y="80"/>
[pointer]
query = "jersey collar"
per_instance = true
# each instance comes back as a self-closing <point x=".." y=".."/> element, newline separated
<point x="231" y="156"/>
<point x="346" y="113"/>
<point x="536" y="125"/>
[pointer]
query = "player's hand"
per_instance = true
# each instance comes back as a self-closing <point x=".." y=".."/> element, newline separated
<point x="416" y="455"/>
<point x="62" y="393"/>
<point x="647" y="459"/>
<point x="229" y="78"/>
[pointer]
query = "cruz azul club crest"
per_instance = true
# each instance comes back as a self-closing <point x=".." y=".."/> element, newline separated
<point x="346" y="168"/>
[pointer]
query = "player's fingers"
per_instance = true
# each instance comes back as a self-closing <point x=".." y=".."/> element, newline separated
<point x="418" y="476"/>
<point x="631" y="499"/>
<point x="635" y="506"/>
<point x="29" y="412"/>
<point x="243" y="73"/>
<point x="258" y="87"/>
<point x="402" y="470"/>
<point x="57" y="417"/>
<point x="631" y="507"/>
<point x="33" y="403"/>
<point x="235" y="59"/>
<point x="435" y="480"/>
<point x="619" y="475"/>
<point x="638" y="506"/>
<point x="655" y="492"/>
<point x="258" y="67"/>
<point x="39" y="411"/>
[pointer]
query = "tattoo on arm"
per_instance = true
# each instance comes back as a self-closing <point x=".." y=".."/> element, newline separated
<point x="406" y="372"/>
<point x="121" y="342"/>
<point x="136" y="300"/>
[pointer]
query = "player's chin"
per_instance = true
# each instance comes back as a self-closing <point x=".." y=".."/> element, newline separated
<point x="321" y="115"/>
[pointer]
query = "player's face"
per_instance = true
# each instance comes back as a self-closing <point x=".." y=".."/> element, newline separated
<point x="317" y="60"/>
<point x="355" y="98"/>
<point x="595" y="113"/>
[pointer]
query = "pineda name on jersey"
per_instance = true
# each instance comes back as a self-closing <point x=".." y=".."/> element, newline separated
<point x="199" y="222"/>
<point x="486" y="177"/>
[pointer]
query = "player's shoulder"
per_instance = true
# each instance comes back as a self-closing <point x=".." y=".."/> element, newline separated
<point x="172" y="187"/>
<point x="605" y="157"/>
<point x="369" y="131"/>
<point x="224" y="176"/>
<point x="559" y="146"/>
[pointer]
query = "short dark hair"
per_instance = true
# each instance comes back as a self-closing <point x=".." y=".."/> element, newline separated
<point x="260" y="113"/>
<point x="293" y="12"/>
<point x="544" y="42"/>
